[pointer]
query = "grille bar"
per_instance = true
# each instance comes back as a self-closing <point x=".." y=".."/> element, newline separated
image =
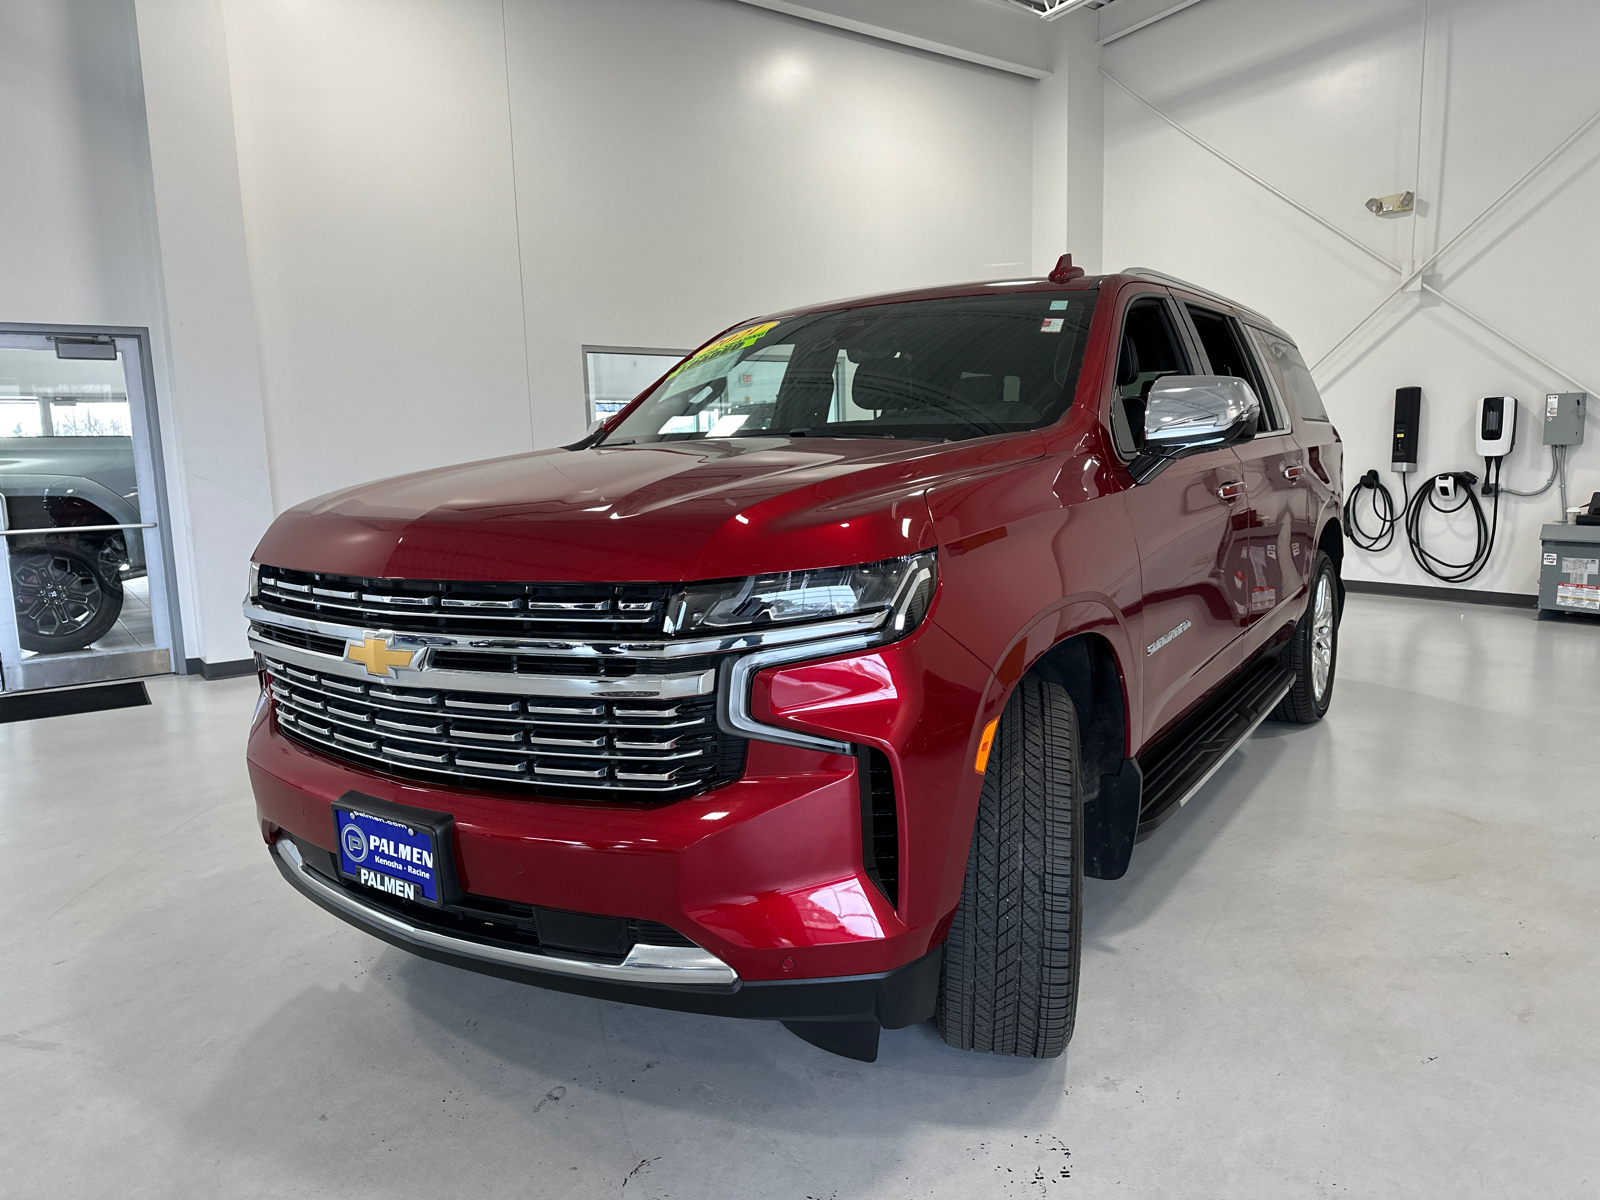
<point x="675" y="751"/>
<point x="425" y="606"/>
<point x="327" y="660"/>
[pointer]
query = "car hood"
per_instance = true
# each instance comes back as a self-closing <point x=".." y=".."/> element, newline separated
<point x="662" y="512"/>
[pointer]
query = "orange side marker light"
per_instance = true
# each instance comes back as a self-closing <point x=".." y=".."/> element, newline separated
<point x="985" y="743"/>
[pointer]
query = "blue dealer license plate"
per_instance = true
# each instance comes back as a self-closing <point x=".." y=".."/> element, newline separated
<point x="394" y="854"/>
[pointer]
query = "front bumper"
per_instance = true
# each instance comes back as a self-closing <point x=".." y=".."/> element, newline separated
<point x="768" y="875"/>
<point x="676" y="978"/>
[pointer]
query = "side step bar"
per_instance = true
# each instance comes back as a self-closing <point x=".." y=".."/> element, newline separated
<point x="1179" y="764"/>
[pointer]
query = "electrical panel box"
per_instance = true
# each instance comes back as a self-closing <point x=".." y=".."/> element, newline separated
<point x="1569" y="572"/>
<point x="1407" y="428"/>
<point x="1563" y="418"/>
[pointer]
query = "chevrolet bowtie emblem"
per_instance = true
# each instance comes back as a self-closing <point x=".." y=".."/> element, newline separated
<point x="375" y="655"/>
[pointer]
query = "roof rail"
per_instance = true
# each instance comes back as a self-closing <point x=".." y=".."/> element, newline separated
<point x="1163" y="277"/>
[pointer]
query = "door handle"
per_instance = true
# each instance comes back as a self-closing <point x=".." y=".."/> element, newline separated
<point x="1291" y="471"/>
<point x="1231" y="490"/>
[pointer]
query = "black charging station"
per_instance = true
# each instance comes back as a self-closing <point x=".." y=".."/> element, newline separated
<point x="1407" y="429"/>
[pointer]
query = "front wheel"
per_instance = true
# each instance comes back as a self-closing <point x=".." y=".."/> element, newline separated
<point x="1010" y="976"/>
<point x="1313" y="650"/>
<point x="63" y="601"/>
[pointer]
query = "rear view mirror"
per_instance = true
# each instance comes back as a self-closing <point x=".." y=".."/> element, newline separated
<point x="1198" y="412"/>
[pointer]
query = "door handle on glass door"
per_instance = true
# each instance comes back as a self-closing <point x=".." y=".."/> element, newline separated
<point x="1231" y="490"/>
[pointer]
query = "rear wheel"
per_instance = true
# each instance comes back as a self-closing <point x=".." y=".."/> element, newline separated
<point x="1313" y="651"/>
<point x="63" y="601"/>
<point x="1010" y="981"/>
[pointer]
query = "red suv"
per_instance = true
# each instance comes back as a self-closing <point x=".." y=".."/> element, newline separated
<point x="810" y="685"/>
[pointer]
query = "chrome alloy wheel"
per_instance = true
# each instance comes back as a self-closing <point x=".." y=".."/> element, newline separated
<point x="1322" y="638"/>
<point x="55" y="596"/>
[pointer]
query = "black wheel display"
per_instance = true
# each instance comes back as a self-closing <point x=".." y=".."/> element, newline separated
<point x="1010" y="982"/>
<point x="1313" y="652"/>
<point x="63" y="601"/>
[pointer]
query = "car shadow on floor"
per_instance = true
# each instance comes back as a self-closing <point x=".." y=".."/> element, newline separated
<point x="484" y="1071"/>
<point x="1162" y="864"/>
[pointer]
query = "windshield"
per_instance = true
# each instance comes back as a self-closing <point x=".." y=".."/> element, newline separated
<point x="926" y="369"/>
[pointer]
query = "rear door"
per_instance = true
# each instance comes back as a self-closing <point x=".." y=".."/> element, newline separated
<point x="1185" y="522"/>
<point x="1271" y="566"/>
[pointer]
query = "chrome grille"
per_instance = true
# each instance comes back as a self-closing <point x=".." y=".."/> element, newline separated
<point x="620" y="749"/>
<point x="502" y="609"/>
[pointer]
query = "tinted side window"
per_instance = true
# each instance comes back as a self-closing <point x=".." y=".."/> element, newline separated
<point x="1150" y="348"/>
<point x="1292" y="374"/>
<point x="1224" y="343"/>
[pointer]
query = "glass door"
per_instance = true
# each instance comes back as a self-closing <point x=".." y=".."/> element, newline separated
<point x="83" y="596"/>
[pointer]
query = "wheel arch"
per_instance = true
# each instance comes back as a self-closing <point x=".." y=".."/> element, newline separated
<point x="1087" y="667"/>
<point x="1330" y="540"/>
<point x="1085" y="646"/>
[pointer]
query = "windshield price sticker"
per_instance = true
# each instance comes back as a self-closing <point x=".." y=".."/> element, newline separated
<point x="388" y="856"/>
<point x="726" y="345"/>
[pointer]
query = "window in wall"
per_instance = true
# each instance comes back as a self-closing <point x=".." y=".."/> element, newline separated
<point x="84" y="410"/>
<point x="614" y="375"/>
<point x="1291" y="374"/>
<point x="1223" y="340"/>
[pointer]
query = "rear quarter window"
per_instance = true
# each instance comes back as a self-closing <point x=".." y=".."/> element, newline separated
<point x="1291" y="374"/>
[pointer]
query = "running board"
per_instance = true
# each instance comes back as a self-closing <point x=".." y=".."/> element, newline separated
<point x="1179" y="765"/>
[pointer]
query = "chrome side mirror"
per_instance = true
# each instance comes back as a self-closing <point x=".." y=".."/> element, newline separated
<point x="1198" y="412"/>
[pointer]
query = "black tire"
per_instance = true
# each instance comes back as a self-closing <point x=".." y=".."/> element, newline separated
<point x="63" y="600"/>
<point x="1308" y="699"/>
<point x="1010" y="976"/>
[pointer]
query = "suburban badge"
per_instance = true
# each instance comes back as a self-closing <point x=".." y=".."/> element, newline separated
<point x="1167" y="637"/>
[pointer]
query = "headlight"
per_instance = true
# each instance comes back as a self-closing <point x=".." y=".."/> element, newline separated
<point x="902" y="588"/>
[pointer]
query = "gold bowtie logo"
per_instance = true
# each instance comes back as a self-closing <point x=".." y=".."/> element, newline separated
<point x="374" y="654"/>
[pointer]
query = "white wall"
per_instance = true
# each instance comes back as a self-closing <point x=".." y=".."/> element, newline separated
<point x="1069" y="147"/>
<point x="1323" y="101"/>
<point x="375" y="162"/>
<point x="682" y="164"/>
<point x="371" y="236"/>
<point x="441" y="209"/>
<point x="217" y="478"/>
<point x="78" y="240"/>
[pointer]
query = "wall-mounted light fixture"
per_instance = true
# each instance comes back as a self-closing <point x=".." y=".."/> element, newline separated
<point x="1392" y="206"/>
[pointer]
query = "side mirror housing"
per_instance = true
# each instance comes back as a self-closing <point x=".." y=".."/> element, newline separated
<point x="1188" y="413"/>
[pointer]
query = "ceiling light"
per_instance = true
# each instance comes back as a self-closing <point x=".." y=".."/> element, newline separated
<point x="1051" y="9"/>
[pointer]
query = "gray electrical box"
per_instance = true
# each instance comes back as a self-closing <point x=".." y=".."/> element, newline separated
<point x="1563" y="418"/>
<point x="1569" y="574"/>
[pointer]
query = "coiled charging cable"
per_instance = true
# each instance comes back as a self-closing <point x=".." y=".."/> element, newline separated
<point x="1486" y="527"/>
<point x="1382" y="508"/>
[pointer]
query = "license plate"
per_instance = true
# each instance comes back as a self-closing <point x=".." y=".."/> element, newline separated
<point x="390" y="848"/>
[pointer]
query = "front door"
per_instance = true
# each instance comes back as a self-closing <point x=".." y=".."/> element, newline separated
<point x="1187" y="521"/>
<point x="83" y="595"/>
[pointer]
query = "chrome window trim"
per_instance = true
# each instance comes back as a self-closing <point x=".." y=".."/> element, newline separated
<point x="644" y="963"/>
<point x="601" y="647"/>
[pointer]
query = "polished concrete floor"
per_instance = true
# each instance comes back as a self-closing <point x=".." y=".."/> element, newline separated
<point x="1364" y="961"/>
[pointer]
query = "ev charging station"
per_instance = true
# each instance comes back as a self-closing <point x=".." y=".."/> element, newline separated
<point x="1570" y="554"/>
